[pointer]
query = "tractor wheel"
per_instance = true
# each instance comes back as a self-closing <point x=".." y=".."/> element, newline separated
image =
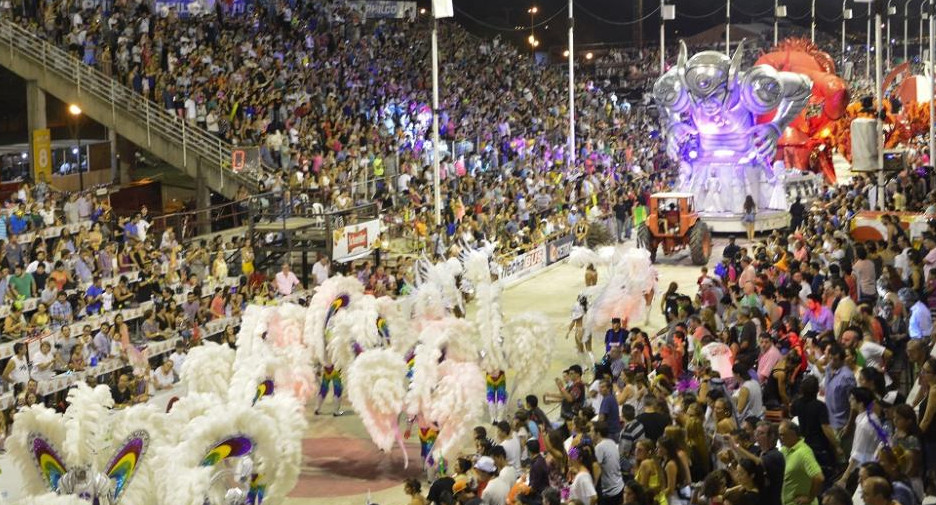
<point x="645" y="240"/>
<point x="700" y="243"/>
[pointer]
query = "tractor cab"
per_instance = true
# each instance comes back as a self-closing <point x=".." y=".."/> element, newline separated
<point x="673" y="222"/>
<point x="673" y="213"/>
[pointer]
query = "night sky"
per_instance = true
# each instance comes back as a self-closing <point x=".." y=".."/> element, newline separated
<point x="500" y="16"/>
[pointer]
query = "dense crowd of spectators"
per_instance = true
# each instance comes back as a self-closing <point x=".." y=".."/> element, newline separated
<point x="801" y="368"/>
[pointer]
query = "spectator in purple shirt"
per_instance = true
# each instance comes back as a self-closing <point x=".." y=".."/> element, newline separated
<point x="817" y="315"/>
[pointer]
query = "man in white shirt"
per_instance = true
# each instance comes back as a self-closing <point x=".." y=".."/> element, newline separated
<point x="608" y="457"/>
<point x="510" y="443"/>
<point x="178" y="357"/>
<point x="286" y="281"/>
<point x="920" y="325"/>
<point x="164" y="376"/>
<point x="495" y="493"/>
<point x="320" y="270"/>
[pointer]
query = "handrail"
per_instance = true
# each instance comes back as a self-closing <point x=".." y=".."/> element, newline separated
<point x="194" y="141"/>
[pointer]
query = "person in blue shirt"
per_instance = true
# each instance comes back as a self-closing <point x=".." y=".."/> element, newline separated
<point x="93" y="296"/>
<point x="18" y="221"/>
<point x="617" y="335"/>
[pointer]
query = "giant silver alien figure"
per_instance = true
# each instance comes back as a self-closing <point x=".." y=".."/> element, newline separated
<point x="709" y="110"/>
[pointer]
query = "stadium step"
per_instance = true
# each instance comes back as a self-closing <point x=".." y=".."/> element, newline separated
<point x="191" y="149"/>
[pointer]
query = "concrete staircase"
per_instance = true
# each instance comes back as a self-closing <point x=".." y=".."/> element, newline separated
<point x="142" y="122"/>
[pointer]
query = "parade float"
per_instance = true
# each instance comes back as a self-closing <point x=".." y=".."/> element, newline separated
<point x="722" y="125"/>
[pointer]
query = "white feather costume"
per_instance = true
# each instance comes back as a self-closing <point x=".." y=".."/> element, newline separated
<point x="55" y="451"/>
<point x="322" y="306"/>
<point x="529" y="350"/>
<point x="631" y="281"/>
<point x="154" y="458"/>
<point x="377" y="387"/>
<point x="353" y="331"/>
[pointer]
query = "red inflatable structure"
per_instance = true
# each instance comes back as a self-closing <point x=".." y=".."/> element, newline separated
<point x="807" y="143"/>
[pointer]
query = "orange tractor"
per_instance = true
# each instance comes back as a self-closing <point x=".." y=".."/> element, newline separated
<point x="672" y="220"/>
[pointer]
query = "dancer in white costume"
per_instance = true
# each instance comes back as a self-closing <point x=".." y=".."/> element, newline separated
<point x="628" y="291"/>
<point x="229" y="441"/>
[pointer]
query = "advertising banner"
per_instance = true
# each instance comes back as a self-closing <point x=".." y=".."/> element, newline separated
<point x="354" y="240"/>
<point x="42" y="155"/>
<point x="524" y="264"/>
<point x="558" y="249"/>
<point x="386" y="9"/>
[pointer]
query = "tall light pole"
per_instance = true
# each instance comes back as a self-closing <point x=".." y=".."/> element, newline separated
<point x="923" y="15"/>
<point x="728" y="29"/>
<point x="667" y="13"/>
<point x="932" y="103"/>
<point x="532" y="12"/>
<point x="75" y="112"/>
<point x="779" y="12"/>
<point x="906" y="25"/>
<point x="846" y="15"/>
<point x="812" y="22"/>
<point x="879" y="91"/>
<point x="889" y="12"/>
<point x="436" y="178"/>
<point x="571" y="89"/>
<point x="868" y="45"/>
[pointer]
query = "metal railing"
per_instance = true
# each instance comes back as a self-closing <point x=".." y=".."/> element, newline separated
<point x="195" y="142"/>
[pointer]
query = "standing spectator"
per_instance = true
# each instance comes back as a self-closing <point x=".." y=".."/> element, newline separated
<point x="802" y="477"/>
<point x="608" y="466"/>
<point x="609" y="412"/>
<point x="583" y="483"/>
<point x="839" y="381"/>
<point x="510" y="443"/>
<point x="813" y="417"/>
<point x="320" y="270"/>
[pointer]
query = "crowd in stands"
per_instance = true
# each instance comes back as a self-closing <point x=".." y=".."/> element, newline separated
<point x="800" y="369"/>
<point x="86" y="294"/>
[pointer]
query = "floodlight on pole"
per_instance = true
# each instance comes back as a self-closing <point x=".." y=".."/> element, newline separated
<point x="667" y="13"/>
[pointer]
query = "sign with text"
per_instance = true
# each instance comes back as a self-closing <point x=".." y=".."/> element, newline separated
<point x="558" y="249"/>
<point x="524" y="264"/>
<point x="386" y="9"/>
<point x="354" y="240"/>
<point x="42" y="155"/>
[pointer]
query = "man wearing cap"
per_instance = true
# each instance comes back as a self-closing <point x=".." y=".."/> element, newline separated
<point x="495" y="493"/>
<point x="464" y="492"/>
<point x="486" y="470"/>
<point x="616" y="336"/>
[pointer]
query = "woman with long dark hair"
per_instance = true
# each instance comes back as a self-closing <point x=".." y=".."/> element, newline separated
<point x="678" y="491"/>
<point x="749" y="477"/>
<point x="749" y="216"/>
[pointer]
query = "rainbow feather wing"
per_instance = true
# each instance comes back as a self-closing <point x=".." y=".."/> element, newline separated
<point x="265" y="388"/>
<point x="383" y="330"/>
<point x="340" y="302"/>
<point x="124" y="464"/>
<point x="233" y="447"/>
<point x="257" y="490"/>
<point x="47" y="460"/>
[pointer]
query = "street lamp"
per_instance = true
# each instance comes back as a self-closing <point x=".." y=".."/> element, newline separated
<point x="906" y="25"/>
<point x="846" y="15"/>
<point x="890" y="11"/>
<point x="667" y="13"/>
<point x="779" y="12"/>
<point x="589" y="55"/>
<point x="923" y="15"/>
<point x="812" y="22"/>
<point x="75" y="112"/>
